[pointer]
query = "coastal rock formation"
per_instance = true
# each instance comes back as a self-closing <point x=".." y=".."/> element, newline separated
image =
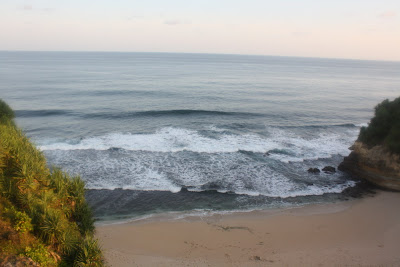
<point x="326" y="169"/>
<point x="375" y="164"/>
<point x="314" y="170"/>
<point x="329" y="169"/>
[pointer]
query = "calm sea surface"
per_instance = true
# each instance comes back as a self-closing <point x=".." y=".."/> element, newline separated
<point x="195" y="133"/>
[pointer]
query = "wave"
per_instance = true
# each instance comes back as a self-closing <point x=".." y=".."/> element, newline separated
<point x="168" y="113"/>
<point x="324" y="126"/>
<point x="309" y="191"/>
<point x="283" y="192"/>
<point x="115" y="115"/>
<point x="362" y="124"/>
<point x="281" y="144"/>
<point x="44" y="113"/>
<point x="119" y="92"/>
<point x="129" y="93"/>
<point x="130" y="114"/>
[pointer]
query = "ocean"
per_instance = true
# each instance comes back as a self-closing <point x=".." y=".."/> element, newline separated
<point x="187" y="134"/>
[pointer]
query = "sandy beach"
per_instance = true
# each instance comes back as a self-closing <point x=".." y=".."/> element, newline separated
<point x="358" y="232"/>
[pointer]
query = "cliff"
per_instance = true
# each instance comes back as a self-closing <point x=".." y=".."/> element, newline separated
<point x="375" y="164"/>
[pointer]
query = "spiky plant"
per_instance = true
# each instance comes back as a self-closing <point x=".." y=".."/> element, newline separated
<point x="59" y="181"/>
<point x="70" y="240"/>
<point x="89" y="253"/>
<point x="52" y="228"/>
<point x="45" y="200"/>
<point x="84" y="218"/>
<point x="77" y="188"/>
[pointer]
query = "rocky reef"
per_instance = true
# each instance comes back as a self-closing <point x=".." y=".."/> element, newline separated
<point x="375" y="164"/>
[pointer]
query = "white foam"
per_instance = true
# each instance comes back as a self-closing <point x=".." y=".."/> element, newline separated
<point x="323" y="146"/>
<point x="168" y="159"/>
<point x="308" y="191"/>
<point x="362" y="124"/>
<point x="215" y="129"/>
<point x="176" y="139"/>
<point x="225" y="172"/>
<point x="167" y="140"/>
<point x="152" y="181"/>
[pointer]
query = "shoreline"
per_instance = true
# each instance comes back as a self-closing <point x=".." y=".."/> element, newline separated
<point x="362" y="231"/>
<point x="212" y="215"/>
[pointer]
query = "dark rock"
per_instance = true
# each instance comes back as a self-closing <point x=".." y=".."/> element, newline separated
<point x="314" y="170"/>
<point x="184" y="190"/>
<point x="212" y="186"/>
<point x="329" y="169"/>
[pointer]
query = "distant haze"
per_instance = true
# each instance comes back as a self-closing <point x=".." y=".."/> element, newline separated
<point x="359" y="29"/>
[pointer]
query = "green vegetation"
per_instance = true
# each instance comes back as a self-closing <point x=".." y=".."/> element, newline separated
<point x="6" y="113"/>
<point x="384" y="128"/>
<point x="43" y="214"/>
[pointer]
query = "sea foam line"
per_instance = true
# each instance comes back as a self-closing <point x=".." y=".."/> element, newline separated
<point x="177" y="139"/>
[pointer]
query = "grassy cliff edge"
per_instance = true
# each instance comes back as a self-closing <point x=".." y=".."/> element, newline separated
<point x="44" y="217"/>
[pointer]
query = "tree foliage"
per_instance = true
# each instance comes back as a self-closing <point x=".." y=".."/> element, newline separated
<point x="384" y="127"/>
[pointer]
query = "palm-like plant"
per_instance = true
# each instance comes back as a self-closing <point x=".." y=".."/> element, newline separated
<point x="84" y="218"/>
<point x="70" y="240"/>
<point x="59" y="181"/>
<point x="77" y="188"/>
<point x="52" y="228"/>
<point x="89" y="253"/>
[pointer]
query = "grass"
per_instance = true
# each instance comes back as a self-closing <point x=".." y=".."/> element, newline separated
<point x="47" y="206"/>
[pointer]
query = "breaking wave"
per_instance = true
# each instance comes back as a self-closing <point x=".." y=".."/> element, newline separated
<point x="280" y="144"/>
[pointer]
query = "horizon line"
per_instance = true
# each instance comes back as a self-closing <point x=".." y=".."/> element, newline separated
<point x="199" y="53"/>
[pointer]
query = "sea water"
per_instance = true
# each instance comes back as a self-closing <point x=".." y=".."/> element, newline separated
<point x="151" y="133"/>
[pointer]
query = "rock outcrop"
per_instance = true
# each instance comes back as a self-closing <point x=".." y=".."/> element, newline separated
<point x="376" y="164"/>
<point x="314" y="170"/>
<point x="329" y="169"/>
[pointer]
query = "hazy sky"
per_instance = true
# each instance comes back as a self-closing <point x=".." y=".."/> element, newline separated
<point x="361" y="29"/>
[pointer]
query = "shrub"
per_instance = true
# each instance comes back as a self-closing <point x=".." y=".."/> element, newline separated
<point x="84" y="218"/>
<point x="39" y="254"/>
<point x="20" y="220"/>
<point x="52" y="227"/>
<point x="384" y="127"/>
<point x="6" y="113"/>
<point x="89" y="253"/>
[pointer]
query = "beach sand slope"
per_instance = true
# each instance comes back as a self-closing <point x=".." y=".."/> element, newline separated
<point x="358" y="232"/>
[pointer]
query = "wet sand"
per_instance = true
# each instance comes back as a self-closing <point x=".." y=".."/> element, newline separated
<point x="358" y="232"/>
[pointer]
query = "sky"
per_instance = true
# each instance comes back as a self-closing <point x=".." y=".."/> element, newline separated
<point x="357" y="29"/>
